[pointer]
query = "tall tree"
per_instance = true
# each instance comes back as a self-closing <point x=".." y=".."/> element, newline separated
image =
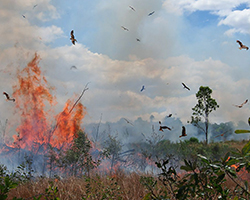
<point x="206" y="104"/>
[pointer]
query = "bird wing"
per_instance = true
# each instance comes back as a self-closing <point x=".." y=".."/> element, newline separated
<point x="7" y="96"/>
<point x="132" y="8"/>
<point x="240" y="43"/>
<point x="185" y="86"/>
<point x="183" y="131"/>
<point x="151" y="13"/>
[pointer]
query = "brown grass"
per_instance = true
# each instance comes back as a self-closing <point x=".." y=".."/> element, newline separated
<point x="117" y="186"/>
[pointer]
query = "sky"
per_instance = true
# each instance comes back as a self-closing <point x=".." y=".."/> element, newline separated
<point x="189" y="41"/>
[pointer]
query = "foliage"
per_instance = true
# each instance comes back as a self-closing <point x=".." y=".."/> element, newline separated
<point x="112" y="149"/>
<point x="241" y="131"/>
<point x="206" y="104"/>
<point x="77" y="159"/>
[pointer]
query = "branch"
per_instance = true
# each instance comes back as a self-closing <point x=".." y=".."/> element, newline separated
<point x="84" y="90"/>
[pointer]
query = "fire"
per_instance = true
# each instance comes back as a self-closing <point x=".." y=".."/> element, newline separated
<point x="34" y="103"/>
<point x="68" y="124"/>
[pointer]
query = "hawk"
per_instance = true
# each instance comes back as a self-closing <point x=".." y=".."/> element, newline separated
<point x="132" y="8"/>
<point x="185" y="87"/>
<point x="242" y="46"/>
<point x="143" y="88"/>
<point x="124" y="28"/>
<point x="73" y="40"/>
<point x="240" y="106"/>
<point x="164" y="127"/>
<point x="183" y="133"/>
<point x="8" y="97"/>
<point x="151" y="13"/>
<point x="73" y="67"/>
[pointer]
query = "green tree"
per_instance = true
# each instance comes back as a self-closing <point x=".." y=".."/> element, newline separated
<point x="77" y="159"/>
<point x="206" y="104"/>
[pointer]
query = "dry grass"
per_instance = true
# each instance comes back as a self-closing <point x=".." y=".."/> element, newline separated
<point x="118" y="186"/>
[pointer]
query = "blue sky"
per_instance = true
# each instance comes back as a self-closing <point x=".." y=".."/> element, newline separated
<point x="183" y="41"/>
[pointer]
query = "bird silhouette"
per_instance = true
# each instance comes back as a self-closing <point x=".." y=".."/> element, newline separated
<point x="138" y="40"/>
<point x="128" y="122"/>
<point x="142" y="88"/>
<point x="124" y="28"/>
<point x="242" y="46"/>
<point x="249" y="121"/>
<point x="8" y="97"/>
<point x="185" y="87"/>
<point x="183" y="133"/>
<point x="164" y="127"/>
<point x="72" y="38"/>
<point x="23" y="16"/>
<point x="170" y="115"/>
<point x="132" y="8"/>
<point x="35" y="6"/>
<point x="241" y="105"/>
<point x="73" y="67"/>
<point x="151" y="13"/>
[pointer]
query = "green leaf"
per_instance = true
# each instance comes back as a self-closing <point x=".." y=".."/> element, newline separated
<point x="241" y="131"/>
<point x="246" y="148"/>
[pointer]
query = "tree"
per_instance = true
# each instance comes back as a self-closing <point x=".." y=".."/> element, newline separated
<point x="77" y="159"/>
<point x="206" y="104"/>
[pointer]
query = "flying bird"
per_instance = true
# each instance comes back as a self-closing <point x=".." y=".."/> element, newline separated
<point x="128" y="122"/>
<point x="151" y="13"/>
<point x="170" y="115"/>
<point x="73" y="67"/>
<point x="132" y="8"/>
<point x="185" y="87"/>
<point x="143" y="88"/>
<point x="240" y="106"/>
<point x="249" y="121"/>
<point x="23" y="16"/>
<point x="35" y="6"/>
<point x="138" y="40"/>
<point x="124" y="28"/>
<point x="73" y="40"/>
<point x="8" y="97"/>
<point x="164" y="127"/>
<point x="242" y="46"/>
<point x="183" y="133"/>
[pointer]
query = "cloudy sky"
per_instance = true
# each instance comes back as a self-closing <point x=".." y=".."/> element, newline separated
<point x="190" y="41"/>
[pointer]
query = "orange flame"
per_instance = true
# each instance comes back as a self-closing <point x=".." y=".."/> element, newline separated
<point x="68" y="124"/>
<point x="33" y="96"/>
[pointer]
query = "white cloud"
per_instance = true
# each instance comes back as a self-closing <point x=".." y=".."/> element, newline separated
<point x="225" y="10"/>
<point x="239" y="19"/>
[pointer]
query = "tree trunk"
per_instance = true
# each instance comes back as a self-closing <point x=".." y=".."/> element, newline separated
<point x="206" y="128"/>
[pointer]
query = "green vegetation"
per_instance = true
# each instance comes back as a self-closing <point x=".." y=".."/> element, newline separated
<point x="199" y="172"/>
<point x="206" y="104"/>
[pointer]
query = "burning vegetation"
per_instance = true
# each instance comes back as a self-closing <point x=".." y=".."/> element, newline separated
<point x="33" y="96"/>
<point x="55" y="145"/>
